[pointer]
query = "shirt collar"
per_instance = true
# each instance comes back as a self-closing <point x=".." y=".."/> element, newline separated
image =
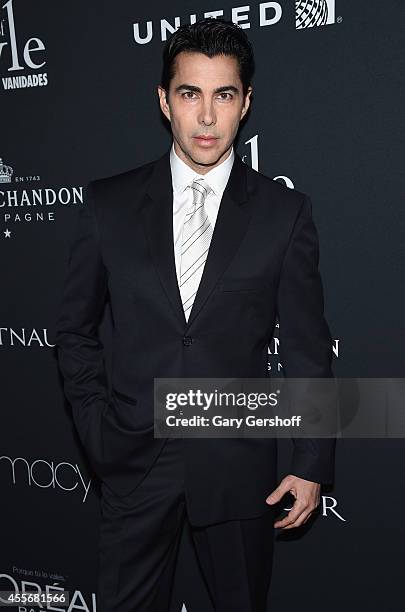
<point x="183" y="175"/>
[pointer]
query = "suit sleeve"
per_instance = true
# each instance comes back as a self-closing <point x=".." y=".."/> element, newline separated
<point x="79" y="350"/>
<point x="305" y="339"/>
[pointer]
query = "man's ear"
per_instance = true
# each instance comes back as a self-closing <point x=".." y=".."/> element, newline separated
<point x="164" y="105"/>
<point x="246" y="103"/>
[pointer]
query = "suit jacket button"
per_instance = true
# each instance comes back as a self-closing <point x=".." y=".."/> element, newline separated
<point x="187" y="340"/>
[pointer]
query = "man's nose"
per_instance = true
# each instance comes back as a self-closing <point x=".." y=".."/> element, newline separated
<point x="207" y="115"/>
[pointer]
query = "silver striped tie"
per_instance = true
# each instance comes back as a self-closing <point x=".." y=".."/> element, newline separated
<point x="196" y="239"/>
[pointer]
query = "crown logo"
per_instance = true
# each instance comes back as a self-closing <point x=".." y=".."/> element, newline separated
<point x="6" y="172"/>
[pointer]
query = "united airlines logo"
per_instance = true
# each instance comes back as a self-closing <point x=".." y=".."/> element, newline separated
<point x="310" y="13"/>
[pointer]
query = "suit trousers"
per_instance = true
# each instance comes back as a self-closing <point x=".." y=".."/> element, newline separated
<point x="139" y="540"/>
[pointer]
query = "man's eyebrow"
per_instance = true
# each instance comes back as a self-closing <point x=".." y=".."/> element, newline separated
<point x="198" y="89"/>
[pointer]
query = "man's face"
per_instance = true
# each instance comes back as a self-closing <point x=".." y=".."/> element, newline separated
<point x="205" y="100"/>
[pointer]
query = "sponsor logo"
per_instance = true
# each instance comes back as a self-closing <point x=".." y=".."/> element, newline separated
<point x="39" y="582"/>
<point x="327" y="508"/>
<point x="45" y="474"/>
<point x="21" y="203"/>
<point x="310" y="13"/>
<point x="27" y="57"/>
<point x="6" y="172"/>
<point x="23" y="337"/>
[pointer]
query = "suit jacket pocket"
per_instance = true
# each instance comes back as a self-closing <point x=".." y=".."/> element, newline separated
<point x="128" y="414"/>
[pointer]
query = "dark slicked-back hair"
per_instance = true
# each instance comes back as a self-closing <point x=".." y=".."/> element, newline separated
<point x="212" y="37"/>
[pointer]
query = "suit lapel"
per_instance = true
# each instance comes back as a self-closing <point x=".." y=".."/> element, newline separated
<point x="158" y="218"/>
<point x="230" y="227"/>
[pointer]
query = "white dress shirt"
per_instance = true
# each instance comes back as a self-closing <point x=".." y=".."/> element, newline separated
<point x="182" y="177"/>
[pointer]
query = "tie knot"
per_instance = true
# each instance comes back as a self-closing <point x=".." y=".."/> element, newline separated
<point x="200" y="189"/>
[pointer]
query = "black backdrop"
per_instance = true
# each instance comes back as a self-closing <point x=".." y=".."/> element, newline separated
<point x="80" y="102"/>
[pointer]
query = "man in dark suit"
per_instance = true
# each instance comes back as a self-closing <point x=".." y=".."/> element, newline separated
<point x="198" y="255"/>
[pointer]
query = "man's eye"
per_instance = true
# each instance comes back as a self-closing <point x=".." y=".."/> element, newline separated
<point x="224" y="95"/>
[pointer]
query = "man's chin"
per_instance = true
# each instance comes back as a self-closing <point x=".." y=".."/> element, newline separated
<point x="206" y="158"/>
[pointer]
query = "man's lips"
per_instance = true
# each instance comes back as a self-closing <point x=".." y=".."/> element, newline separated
<point x="205" y="141"/>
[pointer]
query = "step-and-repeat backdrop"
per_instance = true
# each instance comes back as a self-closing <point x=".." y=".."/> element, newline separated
<point x="78" y="101"/>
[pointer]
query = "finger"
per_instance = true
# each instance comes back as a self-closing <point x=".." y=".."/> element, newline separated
<point x="278" y="493"/>
<point x="295" y="512"/>
<point x="314" y="511"/>
<point x="306" y="519"/>
<point x="300" y="521"/>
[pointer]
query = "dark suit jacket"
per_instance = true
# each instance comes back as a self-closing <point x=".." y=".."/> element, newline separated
<point x="262" y="263"/>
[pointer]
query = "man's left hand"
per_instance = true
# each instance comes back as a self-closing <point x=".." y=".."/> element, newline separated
<point x="307" y="498"/>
